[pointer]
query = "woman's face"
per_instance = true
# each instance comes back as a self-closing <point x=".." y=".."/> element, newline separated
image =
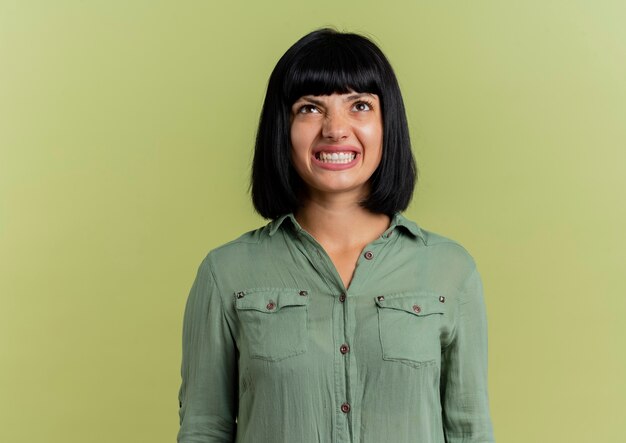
<point x="337" y="141"/>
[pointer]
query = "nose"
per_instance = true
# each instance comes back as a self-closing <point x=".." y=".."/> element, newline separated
<point x="335" y="127"/>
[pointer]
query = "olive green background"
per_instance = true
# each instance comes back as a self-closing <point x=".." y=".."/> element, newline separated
<point x="126" y="132"/>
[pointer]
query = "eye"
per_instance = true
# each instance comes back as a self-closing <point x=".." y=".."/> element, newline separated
<point x="308" y="109"/>
<point x="362" y="105"/>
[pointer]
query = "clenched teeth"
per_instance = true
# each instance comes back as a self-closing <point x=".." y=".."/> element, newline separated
<point x="336" y="157"/>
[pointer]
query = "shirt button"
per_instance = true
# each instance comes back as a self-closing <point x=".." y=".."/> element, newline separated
<point x="442" y="299"/>
<point x="344" y="349"/>
<point x="303" y="293"/>
<point x="368" y="255"/>
<point x="381" y="298"/>
<point x="342" y="298"/>
<point x="345" y="408"/>
<point x="417" y="309"/>
<point x="270" y="305"/>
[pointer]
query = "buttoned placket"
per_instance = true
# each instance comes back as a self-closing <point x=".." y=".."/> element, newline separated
<point x="346" y="421"/>
<point x="365" y="266"/>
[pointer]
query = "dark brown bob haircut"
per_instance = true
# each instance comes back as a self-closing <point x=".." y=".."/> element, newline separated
<point x="322" y="63"/>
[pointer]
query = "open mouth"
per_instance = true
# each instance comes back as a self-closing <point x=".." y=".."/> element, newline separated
<point x="335" y="157"/>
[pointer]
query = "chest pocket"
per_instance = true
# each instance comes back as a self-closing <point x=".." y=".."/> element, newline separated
<point x="274" y="322"/>
<point x="410" y="327"/>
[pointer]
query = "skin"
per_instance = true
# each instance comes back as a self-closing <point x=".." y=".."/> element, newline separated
<point x="331" y="212"/>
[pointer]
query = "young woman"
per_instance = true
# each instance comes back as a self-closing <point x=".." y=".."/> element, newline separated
<point x="340" y="320"/>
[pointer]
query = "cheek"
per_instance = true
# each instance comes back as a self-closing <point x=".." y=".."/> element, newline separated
<point x="299" y="148"/>
<point x="372" y="137"/>
<point x="299" y="138"/>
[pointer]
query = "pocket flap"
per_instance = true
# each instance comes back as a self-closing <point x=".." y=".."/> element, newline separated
<point x="419" y="305"/>
<point x="270" y="300"/>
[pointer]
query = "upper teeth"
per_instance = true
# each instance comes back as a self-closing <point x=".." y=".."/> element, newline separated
<point x="337" y="157"/>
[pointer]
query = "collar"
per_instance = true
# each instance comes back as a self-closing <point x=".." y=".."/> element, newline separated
<point x="275" y="224"/>
<point x="397" y="220"/>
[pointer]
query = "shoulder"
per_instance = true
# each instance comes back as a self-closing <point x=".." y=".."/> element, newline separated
<point x="237" y="248"/>
<point x="449" y="253"/>
<point x="247" y="255"/>
<point x="434" y="246"/>
<point x="438" y="253"/>
<point x="445" y="245"/>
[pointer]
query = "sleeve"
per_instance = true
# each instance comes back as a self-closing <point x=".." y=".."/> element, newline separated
<point x="208" y="392"/>
<point x="465" y="403"/>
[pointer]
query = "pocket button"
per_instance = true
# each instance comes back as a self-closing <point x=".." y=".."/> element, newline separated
<point x="415" y="316"/>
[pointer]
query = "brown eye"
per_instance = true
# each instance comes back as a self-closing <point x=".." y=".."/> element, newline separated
<point x="308" y="109"/>
<point x="362" y="106"/>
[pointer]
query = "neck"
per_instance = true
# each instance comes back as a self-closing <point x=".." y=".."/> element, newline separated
<point x="341" y="223"/>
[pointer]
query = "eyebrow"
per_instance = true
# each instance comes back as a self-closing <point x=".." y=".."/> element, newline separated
<point x="351" y="97"/>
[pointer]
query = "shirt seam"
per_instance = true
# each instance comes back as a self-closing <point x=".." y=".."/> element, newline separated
<point x="221" y="301"/>
<point x="462" y="292"/>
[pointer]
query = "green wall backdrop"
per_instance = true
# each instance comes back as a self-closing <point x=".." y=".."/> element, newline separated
<point x="126" y="130"/>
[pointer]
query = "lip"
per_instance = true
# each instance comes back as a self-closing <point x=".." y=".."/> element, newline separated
<point x="335" y="148"/>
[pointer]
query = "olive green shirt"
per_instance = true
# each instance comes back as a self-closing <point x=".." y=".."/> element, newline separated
<point x="276" y="350"/>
